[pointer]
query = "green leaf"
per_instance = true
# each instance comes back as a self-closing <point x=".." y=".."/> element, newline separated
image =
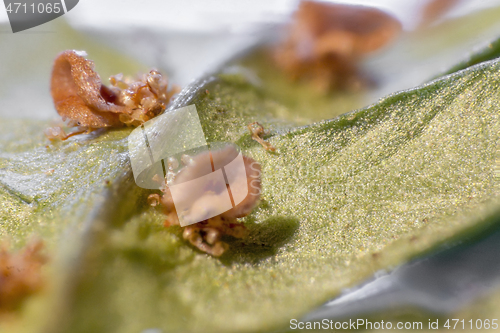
<point x="47" y="188"/>
<point x="341" y="199"/>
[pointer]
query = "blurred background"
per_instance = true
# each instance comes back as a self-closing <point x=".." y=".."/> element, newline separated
<point x="188" y="38"/>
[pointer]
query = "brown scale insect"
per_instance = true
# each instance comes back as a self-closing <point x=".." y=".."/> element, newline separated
<point x="257" y="131"/>
<point x="206" y="235"/>
<point x="83" y="101"/>
<point x="327" y="41"/>
<point x="20" y="274"/>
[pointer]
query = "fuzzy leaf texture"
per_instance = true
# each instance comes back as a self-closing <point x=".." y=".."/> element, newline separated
<point x="341" y="199"/>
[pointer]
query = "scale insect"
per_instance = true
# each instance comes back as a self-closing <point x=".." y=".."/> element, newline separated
<point x="84" y="102"/>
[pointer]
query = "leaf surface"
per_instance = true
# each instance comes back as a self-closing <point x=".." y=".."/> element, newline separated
<point x="341" y="199"/>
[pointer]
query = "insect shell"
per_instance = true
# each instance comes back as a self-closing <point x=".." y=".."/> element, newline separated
<point x="206" y="235"/>
<point x="83" y="101"/>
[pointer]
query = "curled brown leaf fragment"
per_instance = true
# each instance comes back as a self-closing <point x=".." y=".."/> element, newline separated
<point x="206" y="234"/>
<point x="20" y="274"/>
<point x="83" y="101"/>
<point x="327" y="41"/>
<point x="258" y="131"/>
